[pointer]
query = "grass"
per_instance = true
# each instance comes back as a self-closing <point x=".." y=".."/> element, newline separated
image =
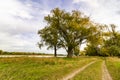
<point x="39" y="68"/>
<point x="113" y="65"/>
<point x="93" y="72"/>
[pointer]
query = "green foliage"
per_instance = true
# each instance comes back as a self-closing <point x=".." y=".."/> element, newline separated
<point x="92" y="50"/>
<point x="49" y="35"/>
<point x="112" y="44"/>
<point x="77" y="51"/>
<point x="67" y="30"/>
<point x="104" y="52"/>
<point x="114" y="50"/>
<point x="104" y="43"/>
<point x="1" y="51"/>
<point x="22" y="53"/>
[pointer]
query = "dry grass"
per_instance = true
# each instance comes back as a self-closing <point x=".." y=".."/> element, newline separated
<point x="93" y="72"/>
<point x="39" y="68"/>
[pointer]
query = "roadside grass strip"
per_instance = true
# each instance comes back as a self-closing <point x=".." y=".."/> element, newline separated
<point x="113" y="65"/>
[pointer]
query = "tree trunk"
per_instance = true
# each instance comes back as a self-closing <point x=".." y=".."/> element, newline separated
<point x="70" y="52"/>
<point x="55" y="51"/>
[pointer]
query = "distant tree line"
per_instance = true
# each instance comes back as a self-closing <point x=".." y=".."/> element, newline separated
<point x="69" y="30"/>
<point x="19" y="53"/>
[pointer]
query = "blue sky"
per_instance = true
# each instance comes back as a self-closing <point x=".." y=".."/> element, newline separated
<point x="20" y="20"/>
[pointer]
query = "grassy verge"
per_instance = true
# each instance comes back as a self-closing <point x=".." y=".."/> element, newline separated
<point x="113" y="65"/>
<point x="93" y="72"/>
<point x="39" y="68"/>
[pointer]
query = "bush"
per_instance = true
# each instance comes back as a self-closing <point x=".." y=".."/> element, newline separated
<point x="104" y="52"/>
<point x="1" y="51"/>
<point x="92" y="50"/>
<point x="114" y="50"/>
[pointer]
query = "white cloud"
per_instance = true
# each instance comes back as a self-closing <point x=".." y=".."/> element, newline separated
<point x="101" y="11"/>
<point x="15" y="21"/>
<point x="17" y="43"/>
<point x="20" y="21"/>
<point x="12" y="13"/>
<point x="14" y="8"/>
<point x="93" y="3"/>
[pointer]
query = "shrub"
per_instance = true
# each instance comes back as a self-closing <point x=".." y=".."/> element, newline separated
<point x="1" y="51"/>
<point x="114" y="50"/>
<point x="92" y="50"/>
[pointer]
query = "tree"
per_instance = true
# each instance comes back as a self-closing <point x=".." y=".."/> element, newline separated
<point x="49" y="37"/>
<point x="95" y="41"/>
<point x="67" y="30"/>
<point x="74" y="30"/>
<point x="112" y="44"/>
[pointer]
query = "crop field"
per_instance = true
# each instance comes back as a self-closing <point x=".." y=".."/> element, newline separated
<point x="28" y="68"/>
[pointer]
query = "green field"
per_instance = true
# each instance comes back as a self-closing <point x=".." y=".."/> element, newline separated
<point x="113" y="65"/>
<point x="93" y="72"/>
<point x="39" y="68"/>
<point x="25" y="68"/>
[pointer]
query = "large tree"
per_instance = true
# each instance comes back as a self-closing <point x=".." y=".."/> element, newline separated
<point x="49" y="37"/>
<point x="112" y="43"/>
<point x="95" y="41"/>
<point x="68" y="30"/>
<point x="74" y="29"/>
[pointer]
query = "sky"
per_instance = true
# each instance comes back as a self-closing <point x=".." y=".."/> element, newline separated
<point x="20" y="20"/>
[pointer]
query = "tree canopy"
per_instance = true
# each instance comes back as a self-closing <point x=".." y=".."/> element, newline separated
<point x="69" y="30"/>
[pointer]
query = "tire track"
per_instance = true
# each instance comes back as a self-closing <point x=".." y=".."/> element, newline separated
<point x="105" y="73"/>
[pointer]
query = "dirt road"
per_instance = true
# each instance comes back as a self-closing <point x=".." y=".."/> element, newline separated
<point x="105" y="73"/>
<point x="70" y="76"/>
